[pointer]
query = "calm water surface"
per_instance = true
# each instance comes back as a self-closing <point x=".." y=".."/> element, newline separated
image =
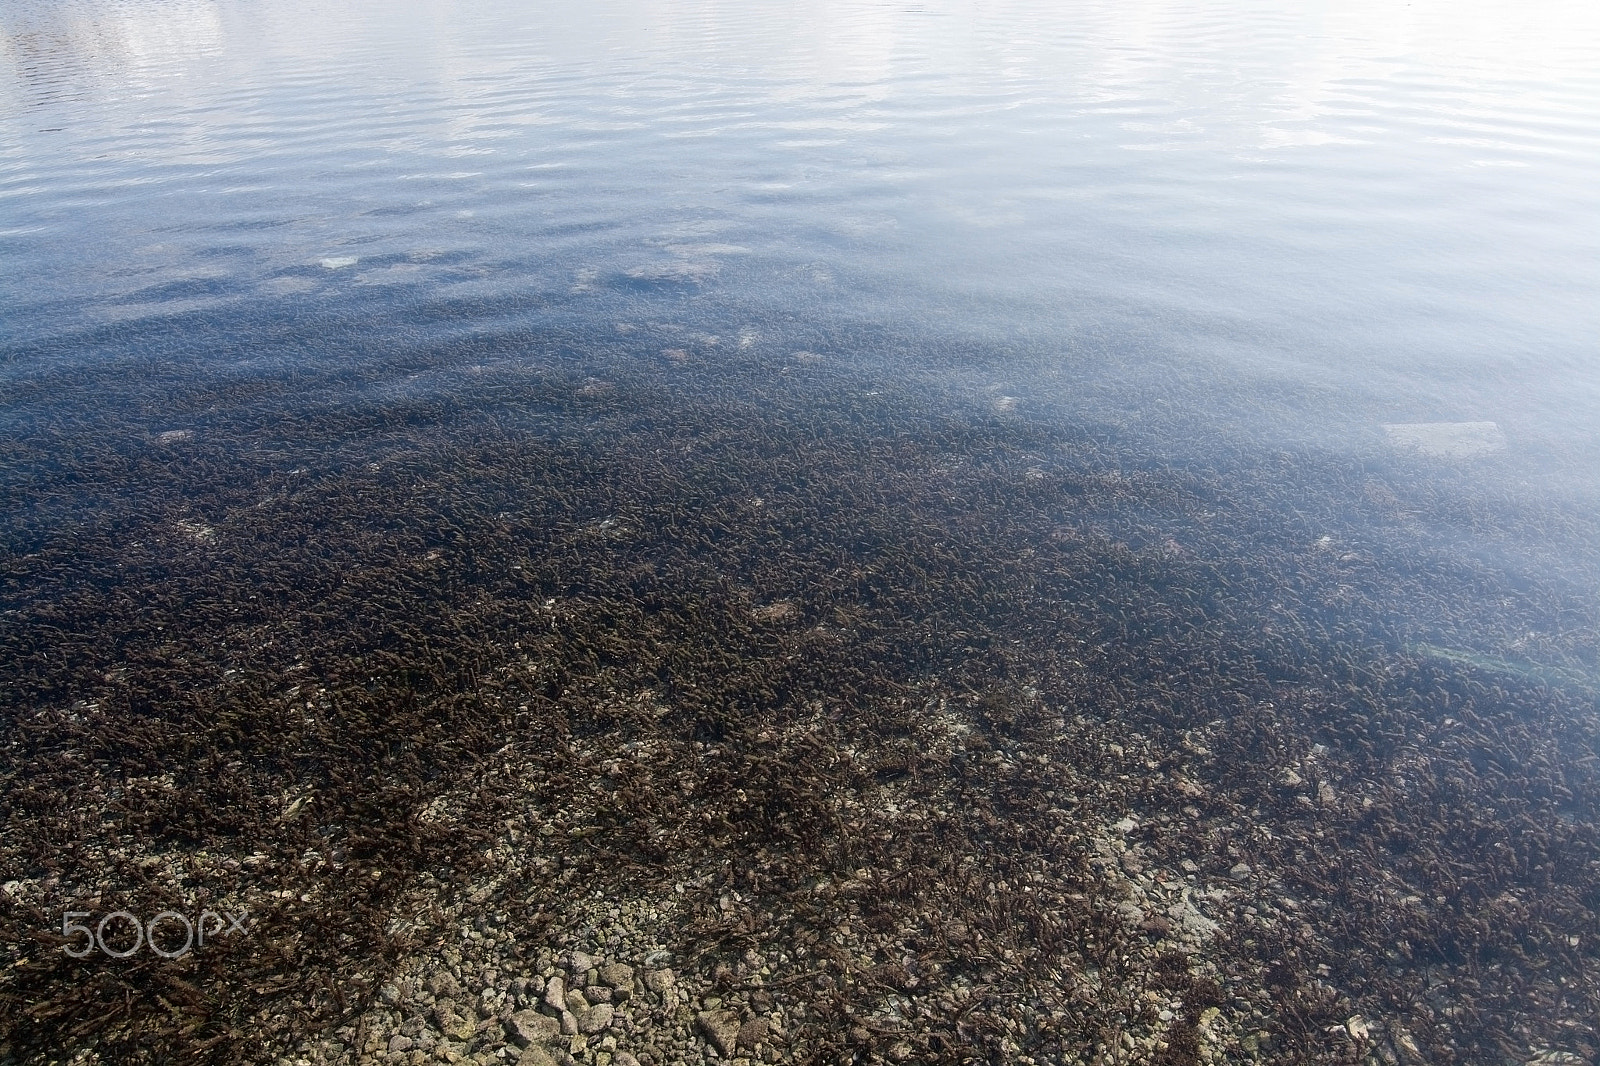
<point x="346" y="343"/>
<point x="1394" y="202"/>
<point x="1294" y="223"/>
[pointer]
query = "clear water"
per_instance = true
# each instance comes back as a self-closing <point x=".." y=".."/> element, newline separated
<point x="244" y="244"/>
<point x="1349" y="214"/>
<point x="1198" y="222"/>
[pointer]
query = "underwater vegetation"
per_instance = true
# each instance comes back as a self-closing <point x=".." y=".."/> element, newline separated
<point x="886" y="725"/>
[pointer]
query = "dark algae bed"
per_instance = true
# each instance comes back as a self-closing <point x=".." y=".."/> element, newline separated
<point x="741" y="698"/>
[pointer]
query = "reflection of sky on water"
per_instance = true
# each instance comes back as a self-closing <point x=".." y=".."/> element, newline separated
<point x="1377" y="197"/>
<point x="1226" y="59"/>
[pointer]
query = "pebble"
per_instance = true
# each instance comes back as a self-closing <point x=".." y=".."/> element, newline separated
<point x="1406" y="1045"/>
<point x="555" y="993"/>
<point x="443" y="985"/>
<point x="527" y="1027"/>
<point x="752" y="1033"/>
<point x="721" y="1027"/>
<point x="596" y="1019"/>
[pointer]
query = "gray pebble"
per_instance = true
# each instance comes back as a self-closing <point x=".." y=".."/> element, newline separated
<point x="721" y="1027"/>
<point x="596" y="1019"/>
<point x="443" y="985"/>
<point x="530" y="1027"/>
<point x="535" y="1055"/>
<point x="555" y="993"/>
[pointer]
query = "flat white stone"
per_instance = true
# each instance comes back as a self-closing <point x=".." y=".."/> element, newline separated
<point x="1447" y="440"/>
<point x="1188" y="918"/>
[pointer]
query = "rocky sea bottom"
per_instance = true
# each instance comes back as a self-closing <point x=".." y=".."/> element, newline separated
<point x="688" y="704"/>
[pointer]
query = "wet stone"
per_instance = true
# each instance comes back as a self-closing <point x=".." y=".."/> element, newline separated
<point x="618" y="975"/>
<point x="442" y="985"/>
<point x="530" y="1027"/>
<point x="752" y="1033"/>
<point x="555" y="994"/>
<point x="534" y="1055"/>
<point x="721" y="1027"/>
<point x="596" y="1019"/>
<point x="1447" y="440"/>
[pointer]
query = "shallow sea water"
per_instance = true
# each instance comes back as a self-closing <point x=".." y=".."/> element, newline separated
<point x="1358" y="230"/>
<point x="343" y="336"/>
<point x="1378" y="210"/>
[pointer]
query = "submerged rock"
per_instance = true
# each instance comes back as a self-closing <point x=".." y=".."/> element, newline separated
<point x="721" y="1027"/>
<point x="596" y="1019"/>
<point x="1447" y="440"/>
<point x="527" y="1027"/>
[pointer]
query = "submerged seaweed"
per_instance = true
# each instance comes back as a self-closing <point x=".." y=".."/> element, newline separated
<point x="987" y="738"/>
